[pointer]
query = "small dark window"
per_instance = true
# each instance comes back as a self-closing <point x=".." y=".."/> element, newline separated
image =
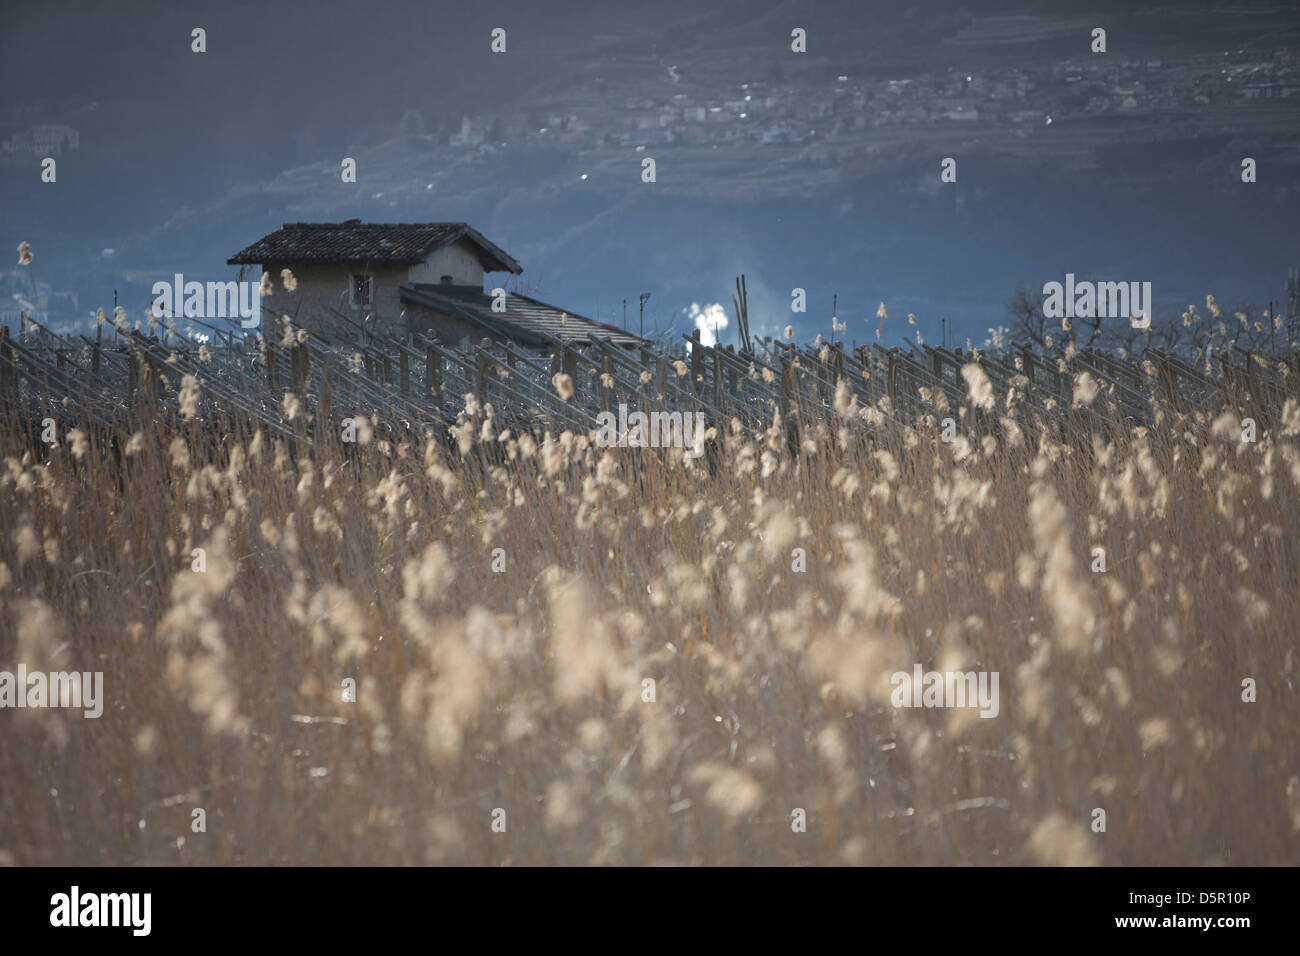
<point x="362" y="287"/>
<point x="446" y="280"/>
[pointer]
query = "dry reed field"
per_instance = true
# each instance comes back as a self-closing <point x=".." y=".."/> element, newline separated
<point x="569" y="654"/>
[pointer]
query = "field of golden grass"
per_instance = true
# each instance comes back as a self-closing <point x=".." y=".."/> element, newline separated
<point x="503" y="605"/>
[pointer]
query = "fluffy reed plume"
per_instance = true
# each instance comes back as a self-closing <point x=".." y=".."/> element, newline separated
<point x="354" y="652"/>
<point x="978" y="385"/>
<point x="1085" y="389"/>
<point x="1061" y="842"/>
<point x="846" y="403"/>
<point x="189" y="397"/>
<point x="78" y="442"/>
<point x="563" y="385"/>
<point x="1064" y="590"/>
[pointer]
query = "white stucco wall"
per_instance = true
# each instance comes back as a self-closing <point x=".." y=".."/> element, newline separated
<point x="457" y="260"/>
<point x="323" y="292"/>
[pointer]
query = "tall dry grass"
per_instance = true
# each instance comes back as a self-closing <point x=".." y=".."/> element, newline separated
<point x="523" y="689"/>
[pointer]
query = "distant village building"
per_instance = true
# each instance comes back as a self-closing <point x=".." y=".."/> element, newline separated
<point x="43" y="141"/>
<point x="42" y="303"/>
<point x="467" y="137"/>
<point x="356" y="279"/>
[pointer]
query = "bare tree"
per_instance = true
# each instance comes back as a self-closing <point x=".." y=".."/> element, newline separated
<point x="1025" y="311"/>
<point x="1194" y="333"/>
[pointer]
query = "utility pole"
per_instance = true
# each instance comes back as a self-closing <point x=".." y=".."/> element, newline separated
<point x="641" y="326"/>
<point x="625" y="315"/>
<point x="1292" y="323"/>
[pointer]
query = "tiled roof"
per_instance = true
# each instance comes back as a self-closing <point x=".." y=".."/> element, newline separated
<point x="355" y="241"/>
<point x="525" y="320"/>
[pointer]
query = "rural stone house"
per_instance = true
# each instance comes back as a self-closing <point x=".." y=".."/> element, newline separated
<point x="356" y="279"/>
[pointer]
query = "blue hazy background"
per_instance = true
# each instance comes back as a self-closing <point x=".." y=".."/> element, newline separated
<point x="185" y="158"/>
